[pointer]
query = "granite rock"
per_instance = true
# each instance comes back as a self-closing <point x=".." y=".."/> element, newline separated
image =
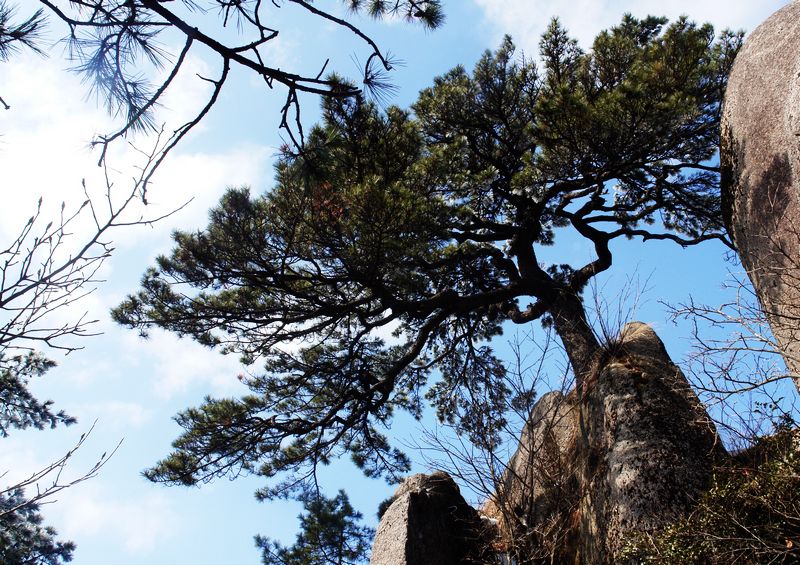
<point x="760" y="159"/>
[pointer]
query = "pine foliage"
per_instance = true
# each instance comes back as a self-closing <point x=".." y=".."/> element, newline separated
<point x="330" y="534"/>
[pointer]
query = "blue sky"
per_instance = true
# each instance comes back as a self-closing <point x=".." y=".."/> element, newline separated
<point x="133" y="387"/>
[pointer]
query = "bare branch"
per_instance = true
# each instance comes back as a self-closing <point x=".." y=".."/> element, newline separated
<point x="48" y="481"/>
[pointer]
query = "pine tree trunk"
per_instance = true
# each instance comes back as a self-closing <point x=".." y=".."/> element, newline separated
<point x="569" y="321"/>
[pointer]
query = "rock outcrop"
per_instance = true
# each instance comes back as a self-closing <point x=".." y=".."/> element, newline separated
<point x="428" y="522"/>
<point x="631" y="452"/>
<point x="539" y="493"/>
<point x="760" y="160"/>
<point x="650" y="446"/>
<point x="631" y="455"/>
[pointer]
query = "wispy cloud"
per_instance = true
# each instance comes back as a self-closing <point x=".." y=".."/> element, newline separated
<point x="525" y="20"/>
<point x="182" y="365"/>
<point x="117" y="414"/>
<point x="136" y="523"/>
<point x="45" y="149"/>
<point x="44" y="152"/>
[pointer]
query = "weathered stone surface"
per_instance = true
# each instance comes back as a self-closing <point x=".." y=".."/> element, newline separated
<point x="540" y="489"/>
<point x="630" y="456"/>
<point x="760" y="160"/>
<point x="650" y="445"/>
<point x="429" y="523"/>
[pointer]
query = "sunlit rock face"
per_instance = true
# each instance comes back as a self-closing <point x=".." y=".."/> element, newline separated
<point x="650" y="446"/>
<point x="631" y="455"/>
<point x="537" y="500"/>
<point x="631" y="452"/>
<point x="428" y="522"/>
<point x="760" y="159"/>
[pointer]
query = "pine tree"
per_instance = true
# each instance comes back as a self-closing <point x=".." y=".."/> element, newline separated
<point x="117" y="48"/>
<point x="23" y="538"/>
<point x="330" y="534"/>
<point x="19" y="409"/>
<point x="426" y="225"/>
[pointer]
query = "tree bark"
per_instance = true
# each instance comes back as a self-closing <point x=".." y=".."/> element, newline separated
<point x="580" y="343"/>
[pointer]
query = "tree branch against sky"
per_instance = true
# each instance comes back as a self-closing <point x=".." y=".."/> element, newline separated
<point x="330" y="535"/>
<point x="118" y="48"/>
<point x="46" y="272"/>
<point x="430" y="225"/>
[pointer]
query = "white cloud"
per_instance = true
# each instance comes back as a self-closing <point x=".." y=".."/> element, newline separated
<point x="182" y="364"/>
<point x="18" y="460"/>
<point x="44" y="148"/>
<point x="119" y="414"/>
<point x="131" y="517"/>
<point x="525" y="20"/>
<point x="44" y="151"/>
<point x="188" y="93"/>
<point x="201" y="177"/>
<point x="164" y="365"/>
<point x="137" y="523"/>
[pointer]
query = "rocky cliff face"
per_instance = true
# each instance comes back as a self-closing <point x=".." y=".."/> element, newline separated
<point x="536" y="504"/>
<point x="760" y="160"/>
<point x="630" y="453"/>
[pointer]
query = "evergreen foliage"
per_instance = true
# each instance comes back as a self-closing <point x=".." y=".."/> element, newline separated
<point x="23" y="539"/>
<point x="117" y="47"/>
<point x="398" y="243"/>
<point x="14" y="35"/>
<point x="19" y="409"/>
<point x="330" y="534"/>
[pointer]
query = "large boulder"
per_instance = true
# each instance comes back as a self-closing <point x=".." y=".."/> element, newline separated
<point x="429" y="522"/>
<point x="630" y="454"/>
<point x="650" y="446"/>
<point x="760" y="160"/>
